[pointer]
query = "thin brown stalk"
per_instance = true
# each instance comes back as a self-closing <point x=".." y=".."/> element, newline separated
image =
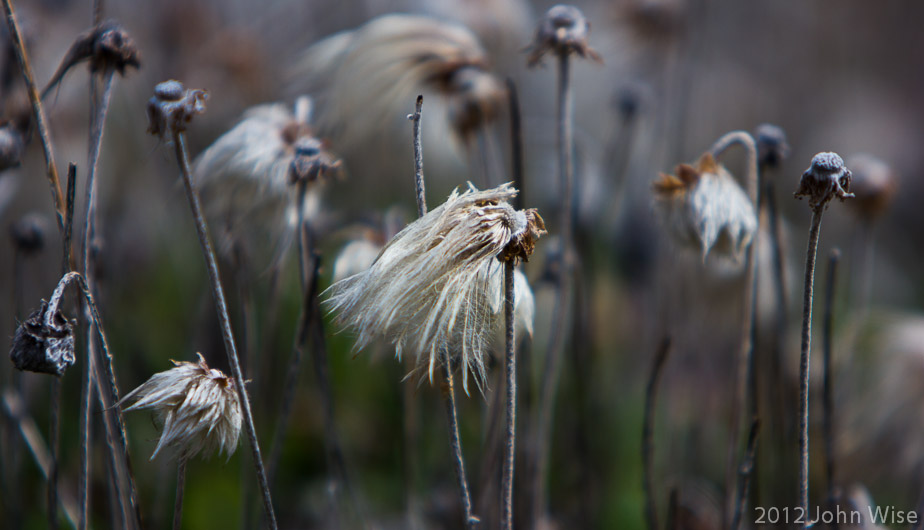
<point x="39" y="114"/>
<point x="744" y="383"/>
<point x="510" y="370"/>
<point x="418" y="160"/>
<point x="224" y="320"/>
<point x="180" y="488"/>
<point x="804" y="359"/>
<point x="745" y="472"/>
<point x="828" y="390"/>
<point x="561" y="319"/>
<point x="651" y="392"/>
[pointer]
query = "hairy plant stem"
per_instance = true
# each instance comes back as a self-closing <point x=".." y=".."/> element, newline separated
<point x="561" y="319"/>
<point x="225" y="322"/>
<point x="828" y="389"/>
<point x="39" y="114"/>
<point x="180" y="487"/>
<point x="651" y="392"/>
<point x="510" y="369"/>
<point x="804" y="360"/>
<point x="745" y="384"/>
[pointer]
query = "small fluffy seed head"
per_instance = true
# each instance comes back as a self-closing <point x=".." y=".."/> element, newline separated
<point x="172" y="107"/>
<point x="198" y="407"/>
<point x="824" y="180"/>
<point x="772" y="147"/>
<point x="873" y="183"/>
<point x="704" y="208"/>
<point x="562" y="31"/>
<point x="438" y="284"/>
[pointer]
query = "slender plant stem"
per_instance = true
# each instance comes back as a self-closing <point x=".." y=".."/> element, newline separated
<point x="418" y="160"/>
<point x="180" y="487"/>
<point x="511" y="372"/>
<point x="745" y="387"/>
<point x="828" y="389"/>
<point x="39" y="113"/>
<point x="561" y="320"/>
<point x="224" y="320"/>
<point x="455" y="443"/>
<point x="804" y="360"/>
<point x="516" y="142"/>
<point x="54" y="438"/>
<point x="746" y="472"/>
<point x="651" y="393"/>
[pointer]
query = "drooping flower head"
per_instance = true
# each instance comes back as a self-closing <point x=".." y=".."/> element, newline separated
<point x="703" y="207"/>
<point x="438" y="284"/>
<point x="198" y="407"/>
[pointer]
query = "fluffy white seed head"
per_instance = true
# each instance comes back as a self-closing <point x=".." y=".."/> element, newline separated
<point x="704" y="208"/>
<point x="197" y="406"/>
<point x="438" y="284"/>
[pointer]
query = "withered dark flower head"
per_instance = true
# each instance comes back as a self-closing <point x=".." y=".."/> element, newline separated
<point x="44" y="342"/>
<point x="824" y="180"/>
<point x="172" y="107"/>
<point x="873" y="183"/>
<point x="106" y="47"/>
<point x="311" y="162"/>
<point x="525" y="231"/>
<point x="772" y="147"/>
<point x="475" y="97"/>
<point x="28" y="233"/>
<point x="562" y="31"/>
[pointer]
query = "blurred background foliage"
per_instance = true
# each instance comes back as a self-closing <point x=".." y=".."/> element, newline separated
<point x="844" y="76"/>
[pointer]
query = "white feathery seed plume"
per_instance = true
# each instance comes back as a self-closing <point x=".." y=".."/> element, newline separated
<point x="198" y="407"/>
<point x="438" y="284"/>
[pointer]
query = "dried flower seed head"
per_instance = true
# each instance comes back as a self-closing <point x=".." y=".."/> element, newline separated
<point x="825" y="179"/>
<point x="873" y="183"/>
<point x="476" y="98"/>
<point x="44" y="342"/>
<point x="562" y="31"/>
<point x="172" y="107"/>
<point x="704" y="208"/>
<point x="772" y="147"/>
<point x="11" y="145"/>
<point x="28" y="233"/>
<point x="437" y="285"/>
<point x="107" y="47"/>
<point x="197" y="405"/>
<point x="311" y="162"/>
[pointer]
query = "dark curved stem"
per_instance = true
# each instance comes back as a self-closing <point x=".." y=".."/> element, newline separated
<point x="511" y="372"/>
<point x="180" y="488"/>
<point x="828" y="390"/>
<point x="805" y="360"/>
<point x="651" y="392"/>
<point x="225" y="322"/>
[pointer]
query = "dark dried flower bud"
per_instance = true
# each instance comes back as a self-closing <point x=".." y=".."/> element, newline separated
<point x="172" y="108"/>
<point x="28" y="233"/>
<point x="113" y="48"/>
<point x="44" y="342"/>
<point x="772" y="147"/>
<point x="476" y="97"/>
<point x="311" y="162"/>
<point x="873" y="183"/>
<point x="11" y="145"/>
<point x="526" y="230"/>
<point x="562" y="31"/>
<point x="827" y="178"/>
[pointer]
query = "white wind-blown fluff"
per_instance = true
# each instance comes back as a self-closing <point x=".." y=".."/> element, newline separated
<point x="198" y="407"/>
<point x="438" y="283"/>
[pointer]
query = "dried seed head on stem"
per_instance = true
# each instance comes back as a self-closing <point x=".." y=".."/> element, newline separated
<point x="562" y="31"/>
<point x="106" y="48"/>
<point x="824" y="180"/>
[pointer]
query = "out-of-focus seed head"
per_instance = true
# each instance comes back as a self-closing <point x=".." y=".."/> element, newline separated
<point x="824" y="180"/>
<point x="873" y="184"/>
<point x="113" y="48"/>
<point x="476" y="97"/>
<point x="11" y="145"/>
<point x="562" y="31"/>
<point x="705" y="209"/>
<point x="436" y="286"/>
<point x="44" y="342"/>
<point x="172" y="107"/>
<point x="311" y="162"/>
<point x="198" y="407"/>
<point x="772" y="147"/>
<point x="28" y="233"/>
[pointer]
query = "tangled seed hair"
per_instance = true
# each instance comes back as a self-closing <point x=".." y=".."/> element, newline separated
<point x="197" y="406"/>
<point x="438" y="285"/>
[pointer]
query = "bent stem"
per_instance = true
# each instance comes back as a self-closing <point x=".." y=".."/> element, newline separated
<point x="560" y="314"/>
<point x="180" y="487"/>
<point x="651" y="392"/>
<point x="225" y="321"/>
<point x="511" y="372"/>
<point x="804" y="359"/>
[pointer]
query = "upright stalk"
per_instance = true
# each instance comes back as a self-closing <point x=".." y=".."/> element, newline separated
<point x="449" y="392"/>
<point x="828" y="390"/>
<point x="54" y="438"/>
<point x="224" y="320"/>
<point x="180" y="487"/>
<point x="651" y="392"/>
<point x="810" y="255"/>
<point x="511" y="373"/>
<point x="561" y="313"/>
